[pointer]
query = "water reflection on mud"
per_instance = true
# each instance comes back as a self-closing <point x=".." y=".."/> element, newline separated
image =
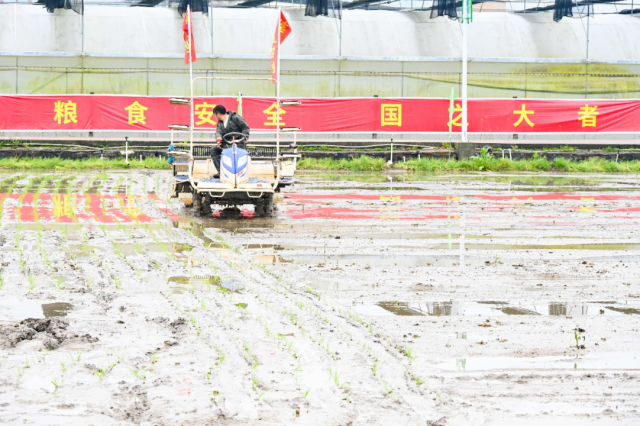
<point x="493" y="308"/>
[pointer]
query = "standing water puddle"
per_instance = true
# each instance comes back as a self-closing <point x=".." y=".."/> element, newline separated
<point x="56" y="309"/>
<point x="178" y="285"/>
<point x="605" y="361"/>
<point x="497" y="308"/>
<point x="18" y="310"/>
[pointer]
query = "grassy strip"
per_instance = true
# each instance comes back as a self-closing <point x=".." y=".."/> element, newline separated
<point x="486" y="164"/>
<point x="89" y="164"/>
<point x="361" y="164"/>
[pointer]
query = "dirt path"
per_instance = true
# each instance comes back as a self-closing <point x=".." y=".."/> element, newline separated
<point x="368" y="300"/>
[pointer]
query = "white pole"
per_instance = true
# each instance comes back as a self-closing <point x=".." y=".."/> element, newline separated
<point x="340" y="52"/>
<point x="82" y="24"/>
<point x="191" y="85"/>
<point x="463" y="134"/>
<point x="211" y="21"/>
<point x="588" y="14"/>
<point x="278" y="89"/>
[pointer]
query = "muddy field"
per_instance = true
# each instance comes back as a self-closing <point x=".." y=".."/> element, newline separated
<point x="369" y="299"/>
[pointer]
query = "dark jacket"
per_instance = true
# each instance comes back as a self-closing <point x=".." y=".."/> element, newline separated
<point x="235" y="124"/>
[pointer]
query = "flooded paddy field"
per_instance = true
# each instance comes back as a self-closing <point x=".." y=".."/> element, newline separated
<point x="368" y="299"/>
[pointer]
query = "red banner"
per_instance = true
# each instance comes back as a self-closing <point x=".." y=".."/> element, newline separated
<point x="363" y="115"/>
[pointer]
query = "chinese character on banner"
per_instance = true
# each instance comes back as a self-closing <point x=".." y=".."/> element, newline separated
<point x="66" y="112"/>
<point x="524" y="115"/>
<point x="391" y="115"/>
<point x="204" y="113"/>
<point x="456" y="120"/>
<point x="136" y="113"/>
<point x="272" y="114"/>
<point x="588" y="115"/>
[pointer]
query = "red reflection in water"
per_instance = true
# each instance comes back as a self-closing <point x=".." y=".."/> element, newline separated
<point x="66" y="208"/>
<point x="350" y="213"/>
<point x="379" y="197"/>
<point x="245" y="213"/>
<point x="556" y="196"/>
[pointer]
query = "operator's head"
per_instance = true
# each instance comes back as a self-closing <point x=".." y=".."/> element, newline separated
<point x="220" y="112"/>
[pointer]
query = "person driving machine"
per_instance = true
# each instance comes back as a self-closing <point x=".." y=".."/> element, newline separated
<point x="228" y="122"/>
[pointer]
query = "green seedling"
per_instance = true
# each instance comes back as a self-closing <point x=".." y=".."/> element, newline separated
<point x="260" y="396"/>
<point x="56" y="384"/>
<point x="59" y="281"/>
<point x="140" y="374"/>
<point x="254" y="382"/>
<point x="154" y="358"/>
<point x="221" y="355"/>
<point x="388" y="389"/>
<point x="119" y="358"/>
<point x="45" y="353"/>
<point x="76" y="359"/>
<point x="100" y="373"/>
<point x="32" y="282"/>
<point x="308" y="290"/>
<point x="336" y="379"/>
<point x="64" y="367"/>
<point x="26" y="363"/>
<point x="210" y="373"/>
<point x="306" y="393"/>
<point x="374" y="369"/>
<point x="409" y="354"/>
<point x="1" y="282"/>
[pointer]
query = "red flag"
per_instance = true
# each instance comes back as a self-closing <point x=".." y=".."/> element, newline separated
<point x="285" y="29"/>
<point x="189" y="45"/>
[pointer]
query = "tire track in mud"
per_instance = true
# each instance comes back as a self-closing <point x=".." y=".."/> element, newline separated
<point x="390" y="387"/>
<point x="246" y="345"/>
<point x="175" y="345"/>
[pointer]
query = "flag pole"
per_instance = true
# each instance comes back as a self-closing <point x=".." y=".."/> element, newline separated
<point x="463" y="135"/>
<point x="451" y="107"/>
<point x="278" y="87"/>
<point x="82" y="26"/>
<point x="190" y="84"/>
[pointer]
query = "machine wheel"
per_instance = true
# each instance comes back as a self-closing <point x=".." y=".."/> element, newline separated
<point x="206" y="207"/>
<point x="269" y="206"/>
<point x="197" y="204"/>
<point x="265" y="206"/>
<point x="259" y="209"/>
